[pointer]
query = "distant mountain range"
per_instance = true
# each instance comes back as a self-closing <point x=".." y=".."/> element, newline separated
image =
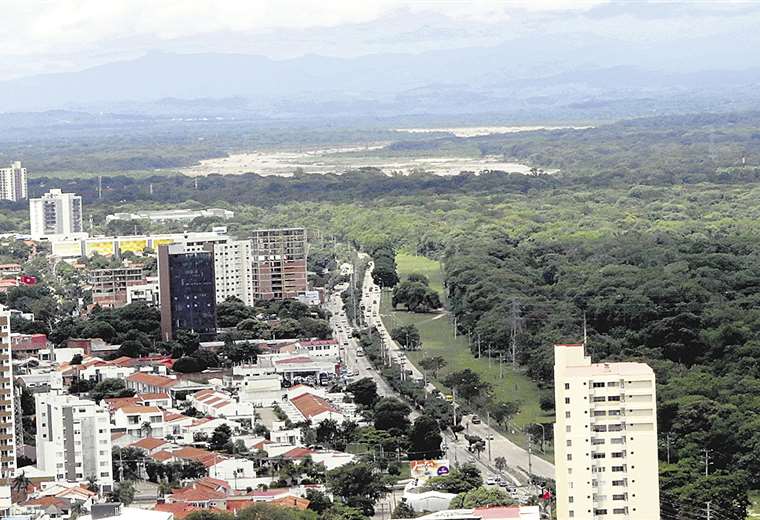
<point x="546" y="75"/>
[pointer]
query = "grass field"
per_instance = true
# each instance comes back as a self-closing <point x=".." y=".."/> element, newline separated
<point x="438" y="340"/>
<point x="754" y="506"/>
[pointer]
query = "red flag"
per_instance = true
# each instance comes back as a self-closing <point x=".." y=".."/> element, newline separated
<point x="28" y="279"/>
<point x="547" y="495"/>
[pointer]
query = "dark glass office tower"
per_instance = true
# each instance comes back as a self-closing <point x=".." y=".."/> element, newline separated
<point x="187" y="291"/>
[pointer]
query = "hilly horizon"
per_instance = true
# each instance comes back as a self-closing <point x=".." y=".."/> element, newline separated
<point x="552" y="71"/>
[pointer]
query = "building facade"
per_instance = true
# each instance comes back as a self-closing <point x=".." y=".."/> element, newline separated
<point x="7" y="412"/>
<point x="605" y="438"/>
<point x="55" y="215"/>
<point x="233" y="271"/>
<point x="279" y="263"/>
<point x="73" y="438"/>
<point x="13" y="182"/>
<point x="109" y="286"/>
<point x="187" y="290"/>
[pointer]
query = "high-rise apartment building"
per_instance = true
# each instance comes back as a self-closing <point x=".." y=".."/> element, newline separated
<point x="7" y="412"/>
<point x="605" y="438"/>
<point x="233" y="271"/>
<point x="279" y="263"/>
<point x="56" y="215"/>
<point x="73" y="438"/>
<point x="13" y="182"/>
<point x="187" y="289"/>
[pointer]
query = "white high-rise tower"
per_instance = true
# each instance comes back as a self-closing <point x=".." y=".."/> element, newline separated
<point x="605" y="438"/>
<point x="56" y="215"/>
<point x="13" y="182"/>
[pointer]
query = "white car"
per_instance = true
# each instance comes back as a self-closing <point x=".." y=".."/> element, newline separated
<point x="490" y="481"/>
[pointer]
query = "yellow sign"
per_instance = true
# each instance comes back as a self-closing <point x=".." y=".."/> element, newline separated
<point x="133" y="246"/>
<point x="161" y="241"/>
<point x="101" y="247"/>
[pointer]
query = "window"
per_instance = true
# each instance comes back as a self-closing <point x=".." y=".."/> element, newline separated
<point x="598" y="385"/>
<point x="619" y="497"/>
<point x="570" y="499"/>
<point x="569" y="442"/>
<point x="600" y="413"/>
<point x="567" y="415"/>
<point x="598" y="455"/>
<point x="618" y="469"/>
<point x="618" y="454"/>
<point x="569" y="456"/>
<point x="600" y="511"/>
<point x="618" y="482"/>
<point x="600" y="428"/>
<point x="614" y="412"/>
<point x="571" y="513"/>
<point x="620" y="511"/>
<point x="567" y="429"/>
<point x="567" y="400"/>
<point x="567" y="386"/>
<point x="613" y="398"/>
<point x="597" y="442"/>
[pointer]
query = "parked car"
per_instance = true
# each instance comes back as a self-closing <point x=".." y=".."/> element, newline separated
<point x="490" y="481"/>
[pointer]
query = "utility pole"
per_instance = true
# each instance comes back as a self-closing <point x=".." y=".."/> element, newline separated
<point x="709" y="512"/>
<point x="478" y="345"/>
<point x="501" y="365"/>
<point x="489" y="356"/>
<point x="530" y="461"/>
<point x="455" y="327"/>
<point x="515" y="319"/>
<point x="667" y="446"/>
<point x="100" y="187"/>
<point x="707" y="460"/>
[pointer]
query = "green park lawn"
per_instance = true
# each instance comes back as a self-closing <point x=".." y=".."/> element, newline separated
<point x="437" y="338"/>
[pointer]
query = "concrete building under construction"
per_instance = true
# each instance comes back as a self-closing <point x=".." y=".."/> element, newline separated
<point x="279" y="263"/>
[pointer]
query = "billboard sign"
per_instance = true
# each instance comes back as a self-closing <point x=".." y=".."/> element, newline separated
<point x="428" y="468"/>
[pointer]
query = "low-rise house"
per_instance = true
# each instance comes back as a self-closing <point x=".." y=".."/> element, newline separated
<point x="150" y="445"/>
<point x="218" y="404"/>
<point x="317" y="409"/>
<point x="199" y="497"/>
<point x="140" y="421"/>
<point x="159" y="399"/>
<point x="260" y="390"/>
<point x="219" y="466"/>
<point x="27" y="345"/>
<point x="175" y="423"/>
<point x="141" y="382"/>
<point x="51" y="506"/>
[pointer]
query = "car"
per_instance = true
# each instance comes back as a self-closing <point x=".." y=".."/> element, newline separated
<point x="475" y="419"/>
<point x="490" y="481"/>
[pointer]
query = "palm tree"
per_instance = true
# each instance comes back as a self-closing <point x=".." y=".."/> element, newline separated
<point x="146" y="429"/>
<point x="21" y="483"/>
<point x="92" y="484"/>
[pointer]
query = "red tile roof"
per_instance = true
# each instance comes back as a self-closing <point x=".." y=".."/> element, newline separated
<point x="311" y="405"/>
<point x="297" y="453"/>
<point x="196" y="494"/>
<point x="292" y="502"/>
<point x="140" y="409"/>
<point x="213" y="483"/>
<point x="48" y="501"/>
<point x="153" y="396"/>
<point x="148" y="443"/>
<point x="162" y="456"/>
<point x="207" y="458"/>
<point x="114" y="403"/>
<point x="152" y="380"/>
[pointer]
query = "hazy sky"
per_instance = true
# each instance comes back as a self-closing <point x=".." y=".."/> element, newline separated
<point x="60" y="35"/>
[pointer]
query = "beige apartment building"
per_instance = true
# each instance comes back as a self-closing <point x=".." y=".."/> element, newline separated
<point x="7" y="422"/>
<point x="605" y="438"/>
